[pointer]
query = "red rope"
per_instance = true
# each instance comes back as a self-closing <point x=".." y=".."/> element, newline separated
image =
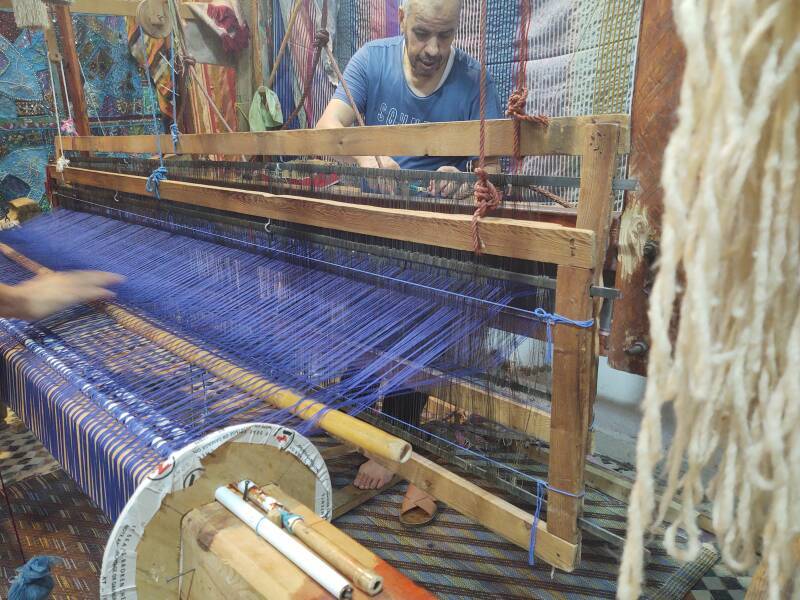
<point x="321" y="39"/>
<point x="517" y="102"/>
<point x="486" y="195"/>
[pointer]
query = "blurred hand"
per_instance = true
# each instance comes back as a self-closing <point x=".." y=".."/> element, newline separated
<point x="450" y="189"/>
<point x="51" y="292"/>
<point x="371" y="162"/>
<point x="385" y="185"/>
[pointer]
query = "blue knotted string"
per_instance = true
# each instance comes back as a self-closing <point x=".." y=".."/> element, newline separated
<point x="160" y="173"/>
<point x="554" y="319"/>
<point x="154" y="181"/>
<point x="173" y="129"/>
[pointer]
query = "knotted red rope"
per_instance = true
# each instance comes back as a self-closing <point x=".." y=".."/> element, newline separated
<point x="517" y="102"/>
<point x="487" y="197"/>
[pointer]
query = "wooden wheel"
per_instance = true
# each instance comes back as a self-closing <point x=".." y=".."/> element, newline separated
<point x="142" y="557"/>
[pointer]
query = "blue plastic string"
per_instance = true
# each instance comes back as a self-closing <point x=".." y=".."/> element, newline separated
<point x="555" y="319"/>
<point x="173" y="129"/>
<point x="160" y="173"/>
<point x="535" y="525"/>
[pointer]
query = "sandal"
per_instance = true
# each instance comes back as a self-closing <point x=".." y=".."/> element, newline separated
<point x="418" y="508"/>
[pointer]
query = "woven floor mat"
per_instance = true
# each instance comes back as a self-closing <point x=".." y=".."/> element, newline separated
<point x="454" y="557"/>
<point x="21" y="454"/>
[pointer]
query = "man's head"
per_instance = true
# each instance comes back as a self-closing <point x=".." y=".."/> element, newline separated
<point x="429" y="27"/>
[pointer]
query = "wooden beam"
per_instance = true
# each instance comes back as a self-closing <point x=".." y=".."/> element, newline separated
<point x="72" y="70"/>
<point x="576" y="350"/>
<point x="523" y="418"/>
<point x="659" y="72"/>
<point x="529" y="240"/>
<point x="564" y="135"/>
<point x="116" y="8"/>
<point x="505" y="519"/>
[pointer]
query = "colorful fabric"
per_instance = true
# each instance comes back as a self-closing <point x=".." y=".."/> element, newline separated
<point x="265" y="110"/>
<point x="225" y="18"/>
<point x="113" y="86"/>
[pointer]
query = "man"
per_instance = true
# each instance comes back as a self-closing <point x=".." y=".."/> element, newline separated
<point x="417" y="77"/>
<point x="49" y="293"/>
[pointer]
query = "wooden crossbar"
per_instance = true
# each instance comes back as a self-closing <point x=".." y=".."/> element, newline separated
<point x="530" y="240"/>
<point x="564" y="135"/>
<point x="115" y="8"/>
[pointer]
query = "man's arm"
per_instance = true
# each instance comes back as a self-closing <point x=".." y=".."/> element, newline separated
<point x="49" y="293"/>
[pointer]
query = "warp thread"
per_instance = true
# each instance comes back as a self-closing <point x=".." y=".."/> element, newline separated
<point x="730" y="258"/>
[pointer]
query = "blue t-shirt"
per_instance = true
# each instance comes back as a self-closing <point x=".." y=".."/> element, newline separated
<point x="376" y="80"/>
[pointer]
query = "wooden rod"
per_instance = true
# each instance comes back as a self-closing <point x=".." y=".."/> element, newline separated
<point x="72" y="70"/>
<point x="530" y="240"/>
<point x="363" y="435"/>
<point x="118" y="8"/>
<point x="505" y="519"/>
<point x="564" y="135"/>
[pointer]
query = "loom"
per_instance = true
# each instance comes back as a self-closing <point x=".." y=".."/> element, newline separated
<point x="303" y="293"/>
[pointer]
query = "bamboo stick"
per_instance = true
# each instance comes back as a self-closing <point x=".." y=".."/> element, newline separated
<point x="362" y="435"/>
<point x="364" y="579"/>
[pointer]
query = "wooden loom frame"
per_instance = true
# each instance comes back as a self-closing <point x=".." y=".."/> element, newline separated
<point x="579" y="253"/>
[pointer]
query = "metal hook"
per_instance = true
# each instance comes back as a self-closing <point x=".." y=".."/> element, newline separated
<point x="268" y="226"/>
<point x="116" y="196"/>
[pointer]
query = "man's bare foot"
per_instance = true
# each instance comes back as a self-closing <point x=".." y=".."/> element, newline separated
<point x="372" y="476"/>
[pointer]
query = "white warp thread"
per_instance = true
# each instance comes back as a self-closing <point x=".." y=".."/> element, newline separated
<point x="730" y="259"/>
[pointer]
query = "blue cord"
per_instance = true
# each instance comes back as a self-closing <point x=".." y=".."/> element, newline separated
<point x="554" y="319"/>
<point x="154" y="181"/>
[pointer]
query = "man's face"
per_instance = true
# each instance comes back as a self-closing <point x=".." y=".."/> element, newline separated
<point x="429" y="29"/>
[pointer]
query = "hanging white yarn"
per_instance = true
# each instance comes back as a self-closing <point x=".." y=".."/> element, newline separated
<point x="730" y="259"/>
<point x="30" y="13"/>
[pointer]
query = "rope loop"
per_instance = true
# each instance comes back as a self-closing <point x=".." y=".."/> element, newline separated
<point x="176" y="134"/>
<point x="321" y="38"/>
<point x="158" y="175"/>
<point x="487" y="198"/>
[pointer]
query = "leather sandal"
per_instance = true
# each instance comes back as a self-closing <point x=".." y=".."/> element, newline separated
<point x="418" y="508"/>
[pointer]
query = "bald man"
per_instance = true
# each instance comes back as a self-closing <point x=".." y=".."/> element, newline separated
<point x="417" y="77"/>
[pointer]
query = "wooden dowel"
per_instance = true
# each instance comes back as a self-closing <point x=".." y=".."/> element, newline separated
<point x="364" y="579"/>
<point x="360" y="434"/>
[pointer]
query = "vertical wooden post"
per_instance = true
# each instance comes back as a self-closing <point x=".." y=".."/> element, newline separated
<point x="659" y="72"/>
<point x="72" y="69"/>
<point x="576" y="350"/>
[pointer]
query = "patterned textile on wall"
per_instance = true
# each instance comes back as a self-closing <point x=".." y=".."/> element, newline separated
<point x="27" y="126"/>
<point x="298" y="59"/>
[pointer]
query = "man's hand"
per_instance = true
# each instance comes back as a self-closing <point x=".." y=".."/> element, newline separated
<point x="51" y="292"/>
<point x="384" y="185"/>
<point x="371" y="162"/>
<point x="450" y="189"/>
